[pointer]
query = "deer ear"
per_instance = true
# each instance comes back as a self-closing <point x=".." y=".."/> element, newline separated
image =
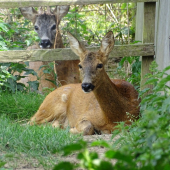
<point x="107" y="45"/>
<point x="60" y="12"/>
<point x="29" y="13"/>
<point x="76" y="46"/>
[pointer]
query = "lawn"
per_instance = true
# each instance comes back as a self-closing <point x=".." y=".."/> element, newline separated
<point x="20" y="142"/>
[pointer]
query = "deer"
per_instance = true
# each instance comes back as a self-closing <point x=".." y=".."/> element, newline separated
<point x="97" y="104"/>
<point x="46" y="24"/>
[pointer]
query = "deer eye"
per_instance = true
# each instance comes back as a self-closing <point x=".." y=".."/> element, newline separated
<point x="36" y="28"/>
<point x="53" y="27"/>
<point x="80" y="66"/>
<point x="99" y="65"/>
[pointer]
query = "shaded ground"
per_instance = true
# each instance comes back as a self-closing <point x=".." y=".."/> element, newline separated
<point x="32" y="164"/>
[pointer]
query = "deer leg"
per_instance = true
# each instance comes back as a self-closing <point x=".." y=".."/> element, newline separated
<point x="84" y="127"/>
<point x="56" y="124"/>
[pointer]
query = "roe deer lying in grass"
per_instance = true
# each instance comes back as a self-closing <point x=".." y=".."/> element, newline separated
<point x="46" y="24"/>
<point x="96" y="104"/>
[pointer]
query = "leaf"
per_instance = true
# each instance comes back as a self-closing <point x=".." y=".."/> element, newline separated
<point x="166" y="69"/>
<point x="33" y="85"/>
<point x="2" y="163"/>
<point x="123" y="5"/>
<point x="28" y="42"/>
<point x="47" y="71"/>
<point x="122" y="61"/>
<point x="166" y="167"/>
<point x="144" y="91"/>
<point x="74" y="147"/>
<point x="64" y="166"/>
<point x="3" y="27"/>
<point x="151" y="81"/>
<point x="165" y="104"/>
<point x="105" y="165"/>
<point x="148" y="98"/>
<point x="111" y="154"/>
<point x="52" y="81"/>
<point x="93" y="155"/>
<point x="42" y="66"/>
<point x="158" y="98"/>
<point x="100" y="143"/>
<point x="162" y="83"/>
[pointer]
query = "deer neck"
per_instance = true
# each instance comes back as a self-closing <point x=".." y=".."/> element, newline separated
<point x="109" y="99"/>
<point x="58" y="42"/>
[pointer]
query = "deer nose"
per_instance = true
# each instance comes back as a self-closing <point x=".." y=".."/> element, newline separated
<point x="45" y="44"/>
<point x="87" y="87"/>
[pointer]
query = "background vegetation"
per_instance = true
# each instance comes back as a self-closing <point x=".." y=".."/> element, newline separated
<point x="89" y="23"/>
<point x="144" y="145"/>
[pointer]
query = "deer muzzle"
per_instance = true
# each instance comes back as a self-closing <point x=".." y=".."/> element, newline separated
<point x="45" y="44"/>
<point x="87" y="87"/>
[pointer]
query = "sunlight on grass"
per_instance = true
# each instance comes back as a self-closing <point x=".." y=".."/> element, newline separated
<point x="20" y="105"/>
<point x="28" y="143"/>
<point x="38" y="142"/>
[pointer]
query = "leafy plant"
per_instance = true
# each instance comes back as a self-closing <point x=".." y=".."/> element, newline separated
<point x="4" y="75"/>
<point x="134" y="76"/>
<point x="93" y="21"/>
<point x="49" y="69"/>
<point x="15" y="33"/>
<point x="160" y="93"/>
<point x="10" y="80"/>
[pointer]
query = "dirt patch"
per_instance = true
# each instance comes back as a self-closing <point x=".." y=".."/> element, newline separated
<point x="32" y="164"/>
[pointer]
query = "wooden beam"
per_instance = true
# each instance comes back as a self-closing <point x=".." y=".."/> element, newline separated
<point x="37" y="3"/>
<point x="148" y="37"/>
<point x="67" y="54"/>
<point x="139" y="23"/>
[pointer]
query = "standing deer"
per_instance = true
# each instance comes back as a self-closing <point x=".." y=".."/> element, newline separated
<point x="46" y="24"/>
<point x="97" y="104"/>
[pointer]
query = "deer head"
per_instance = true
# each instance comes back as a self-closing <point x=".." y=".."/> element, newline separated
<point x="91" y="64"/>
<point x="45" y="23"/>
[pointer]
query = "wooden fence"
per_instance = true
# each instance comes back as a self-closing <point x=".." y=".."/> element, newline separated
<point x="146" y="50"/>
<point x="37" y="3"/>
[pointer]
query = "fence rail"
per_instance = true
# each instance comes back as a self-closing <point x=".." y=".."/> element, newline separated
<point x="67" y="54"/>
<point x="37" y="3"/>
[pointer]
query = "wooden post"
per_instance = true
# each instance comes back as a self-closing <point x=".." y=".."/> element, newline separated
<point x="139" y="22"/>
<point x="148" y="37"/>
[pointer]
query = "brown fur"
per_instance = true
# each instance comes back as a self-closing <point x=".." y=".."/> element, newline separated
<point x="100" y="109"/>
<point x="67" y="71"/>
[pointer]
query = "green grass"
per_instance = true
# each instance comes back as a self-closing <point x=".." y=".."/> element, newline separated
<point x="20" y="105"/>
<point x="32" y="144"/>
<point x="39" y="142"/>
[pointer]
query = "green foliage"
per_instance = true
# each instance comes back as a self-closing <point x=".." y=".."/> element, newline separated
<point x="135" y="67"/>
<point x="92" y="21"/>
<point x="159" y="95"/>
<point x="145" y="145"/>
<point x="4" y="75"/>
<point x="9" y="81"/>
<point x="15" y="33"/>
<point x="9" y="31"/>
<point x="49" y="69"/>
<point x="64" y="166"/>
<point x="2" y="164"/>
